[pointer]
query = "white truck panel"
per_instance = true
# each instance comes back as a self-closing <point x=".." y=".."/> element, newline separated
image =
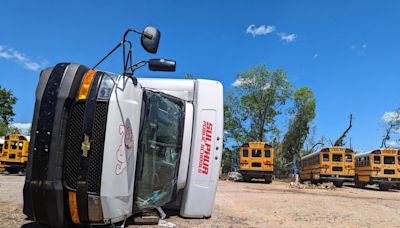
<point x="120" y="150"/>
<point x="199" y="193"/>
<point x="186" y="146"/>
<point x="180" y="88"/>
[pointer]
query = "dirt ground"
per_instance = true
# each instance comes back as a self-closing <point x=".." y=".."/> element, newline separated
<point x="260" y="205"/>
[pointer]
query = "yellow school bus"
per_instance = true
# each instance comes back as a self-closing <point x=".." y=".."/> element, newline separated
<point x="256" y="161"/>
<point x="380" y="167"/>
<point x="1" y="153"/>
<point x="15" y="153"/>
<point x="333" y="164"/>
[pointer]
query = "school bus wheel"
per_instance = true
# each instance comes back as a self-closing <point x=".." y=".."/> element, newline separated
<point x="338" y="184"/>
<point x="11" y="170"/>
<point x="384" y="187"/>
<point x="246" y="178"/>
<point x="359" y="184"/>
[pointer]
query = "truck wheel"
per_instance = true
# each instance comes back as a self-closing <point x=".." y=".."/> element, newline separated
<point x="384" y="187"/>
<point x="338" y="184"/>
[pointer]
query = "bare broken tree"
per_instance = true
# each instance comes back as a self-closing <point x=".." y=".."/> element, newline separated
<point x="340" y="141"/>
<point x="386" y="137"/>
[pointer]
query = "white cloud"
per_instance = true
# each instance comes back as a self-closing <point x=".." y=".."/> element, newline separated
<point x="261" y="30"/>
<point x="288" y="38"/>
<point x="392" y="143"/>
<point x="391" y="116"/>
<point x="355" y="47"/>
<point x="239" y="82"/>
<point x="23" y="127"/>
<point x="315" y="56"/>
<point x="11" y="54"/>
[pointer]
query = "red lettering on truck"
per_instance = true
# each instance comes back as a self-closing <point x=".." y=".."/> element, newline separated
<point x="205" y="148"/>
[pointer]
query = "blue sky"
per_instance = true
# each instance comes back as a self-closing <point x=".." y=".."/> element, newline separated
<point x="347" y="52"/>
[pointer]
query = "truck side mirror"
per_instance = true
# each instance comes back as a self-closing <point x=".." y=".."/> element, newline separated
<point x="162" y="65"/>
<point x="150" y="39"/>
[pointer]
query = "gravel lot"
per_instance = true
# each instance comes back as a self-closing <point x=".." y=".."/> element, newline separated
<point x="259" y="205"/>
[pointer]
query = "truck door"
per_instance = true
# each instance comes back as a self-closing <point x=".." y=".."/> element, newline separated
<point x="159" y="150"/>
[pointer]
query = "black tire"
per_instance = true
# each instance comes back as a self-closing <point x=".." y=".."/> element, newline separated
<point x="11" y="170"/>
<point x="338" y="184"/>
<point x="384" y="187"/>
<point x="359" y="184"/>
<point x="397" y="186"/>
<point x="246" y="179"/>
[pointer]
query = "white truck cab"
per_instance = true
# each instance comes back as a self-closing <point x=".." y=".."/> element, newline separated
<point x="104" y="147"/>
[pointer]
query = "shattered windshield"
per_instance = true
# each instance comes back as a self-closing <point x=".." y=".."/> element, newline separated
<point x="159" y="153"/>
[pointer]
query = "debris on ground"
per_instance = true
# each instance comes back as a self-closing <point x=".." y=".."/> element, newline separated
<point x="328" y="186"/>
<point x="164" y="223"/>
<point x="234" y="176"/>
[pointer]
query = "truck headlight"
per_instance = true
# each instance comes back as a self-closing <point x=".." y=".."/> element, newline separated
<point x="106" y="87"/>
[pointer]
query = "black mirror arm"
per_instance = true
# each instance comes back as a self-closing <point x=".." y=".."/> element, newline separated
<point x="137" y="65"/>
<point x="109" y="53"/>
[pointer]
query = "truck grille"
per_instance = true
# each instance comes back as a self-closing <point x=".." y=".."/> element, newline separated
<point x="73" y="145"/>
<point x="97" y="147"/>
<point x="74" y="142"/>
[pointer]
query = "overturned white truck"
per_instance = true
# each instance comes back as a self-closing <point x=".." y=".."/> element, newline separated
<point x="105" y="146"/>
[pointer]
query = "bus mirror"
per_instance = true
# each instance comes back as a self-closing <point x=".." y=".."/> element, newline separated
<point x="162" y="65"/>
<point x="150" y="39"/>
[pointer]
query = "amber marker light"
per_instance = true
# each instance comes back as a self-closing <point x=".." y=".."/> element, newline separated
<point x="87" y="81"/>
<point x="73" y="208"/>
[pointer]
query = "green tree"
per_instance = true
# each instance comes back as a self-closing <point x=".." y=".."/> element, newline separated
<point x="299" y="127"/>
<point x="13" y="130"/>
<point x="3" y="128"/>
<point x="259" y="95"/>
<point x="234" y="132"/>
<point x="7" y="101"/>
<point x="233" y="120"/>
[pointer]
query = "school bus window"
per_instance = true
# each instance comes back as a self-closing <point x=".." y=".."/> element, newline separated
<point x="325" y="157"/>
<point x="349" y="158"/>
<point x="337" y="157"/>
<point x="13" y="145"/>
<point x="256" y="153"/>
<point x="267" y="153"/>
<point x="245" y="153"/>
<point x="377" y="159"/>
<point x="20" y="145"/>
<point x="388" y="160"/>
<point x="6" y="145"/>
